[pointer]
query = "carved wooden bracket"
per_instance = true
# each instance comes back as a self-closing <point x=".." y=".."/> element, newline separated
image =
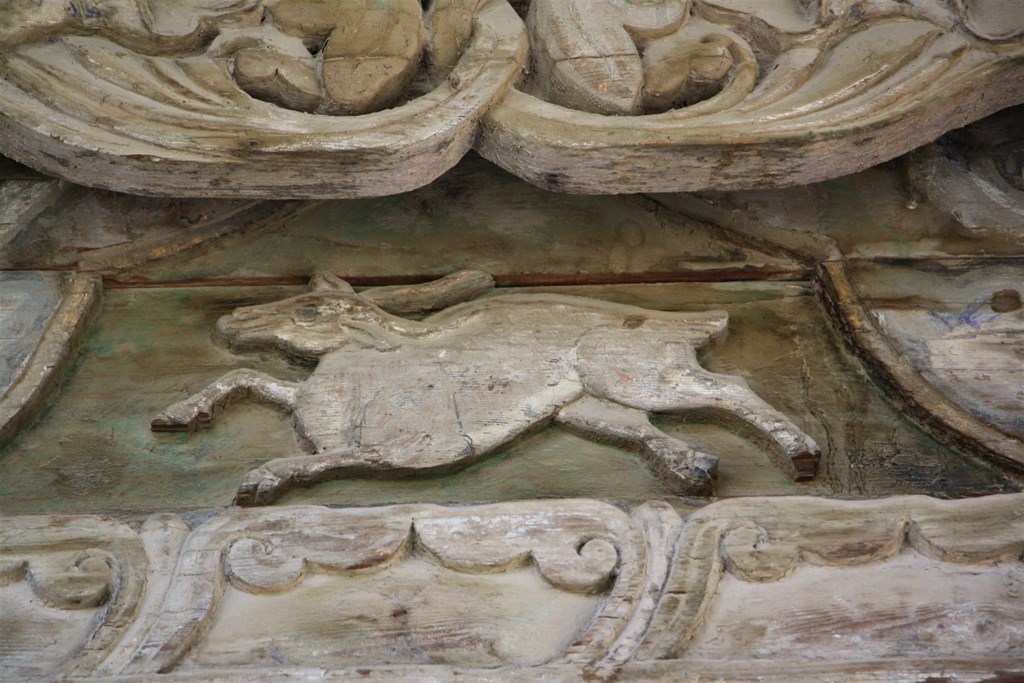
<point x="288" y="98"/>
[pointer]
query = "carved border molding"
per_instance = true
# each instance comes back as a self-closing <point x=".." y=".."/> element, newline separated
<point x="764" y="540"/>
<point x="903" y="383"/>
<point x="769" y="98"/>
<point x="576" y="546"/>
<point x="655" y="574"/>
<point x="80" y="298"/>
<point x="79" y="563"/>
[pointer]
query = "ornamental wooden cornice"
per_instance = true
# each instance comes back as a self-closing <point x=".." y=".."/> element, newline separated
<point x="292" y="99"/>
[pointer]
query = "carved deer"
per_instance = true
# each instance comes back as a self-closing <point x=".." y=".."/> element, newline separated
<point x="400" y="397"/>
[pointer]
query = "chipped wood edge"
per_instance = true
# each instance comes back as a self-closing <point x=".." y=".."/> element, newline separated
<point x="575" y="152"/>
<point x="902" y="383"/>
<point x="80" y="300"/>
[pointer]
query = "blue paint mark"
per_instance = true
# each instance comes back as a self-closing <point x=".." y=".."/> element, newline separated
<point x="74" y="10"/>
<point x="970" y="316"/>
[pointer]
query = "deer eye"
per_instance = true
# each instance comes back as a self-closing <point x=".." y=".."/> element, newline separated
<point x="307" y="313"/>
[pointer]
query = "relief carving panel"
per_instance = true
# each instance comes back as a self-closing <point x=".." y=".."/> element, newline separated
<point x="69" y="589"/>
<point x="679" y="96"/>
<point x="400" y="397"/>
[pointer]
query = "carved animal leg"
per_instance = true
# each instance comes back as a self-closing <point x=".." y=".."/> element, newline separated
<point x="198" y="409"/>
<point x="730" y="397"/>
<point x="686" y="470"/>
<point x="270" y="480"/>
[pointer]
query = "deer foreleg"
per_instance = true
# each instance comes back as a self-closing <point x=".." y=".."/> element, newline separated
<point x="198" y="409"/>
<point x="686" y="470"/>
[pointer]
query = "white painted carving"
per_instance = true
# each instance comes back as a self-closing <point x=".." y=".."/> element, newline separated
<point x="228" y="97"/>
<point x="578" y="547"/>
<point x="400" y="397"/>
<point x="683" y="95"/>
<point x="87" y="576"/>
<point x="242" y="97"/>
<point x="312" y="56"/>
<point x="559" y="590"/>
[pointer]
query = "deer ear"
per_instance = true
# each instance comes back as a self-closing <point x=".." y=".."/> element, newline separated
<point x="323" y="281"/>
<point x="430" y="296"/>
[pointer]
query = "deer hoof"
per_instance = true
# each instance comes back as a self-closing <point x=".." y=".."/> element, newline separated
<point x="260" y="487"/>
<point x="181" y="418"/>
<point x="165" y="422"/>
<point x="704" y="469"/>
<point x="806" y="462"/>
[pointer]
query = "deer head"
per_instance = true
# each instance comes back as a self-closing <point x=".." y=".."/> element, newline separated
<point x="332" y="315"/>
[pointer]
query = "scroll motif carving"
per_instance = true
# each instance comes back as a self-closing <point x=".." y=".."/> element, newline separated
<point x="310" y="56"/>
<point x="89" y="565"/>
<point x="726" y="94"/>
<point x="634" y="57"/>
<point x="232" y="96"/>
<point x="577" y="546"/>
<point x="400" y="397"/>
<point x="758" y="541"/>
<point x="421" y="591"/>
<point x="227" y="97"/>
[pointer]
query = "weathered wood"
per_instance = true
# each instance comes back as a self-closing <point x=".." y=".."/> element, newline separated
<point x="473" y="216"/>
<point x="402" y="397"/>
<point x="834" y="93"/>
<point x="92" y="449"/>
<point x="45" y="323"/>
<point x="187" y="128"/>
<point x="937" y="404"/>
<point x="975" y="174"/>
<point x="687" y="96"/>
<point x="761" y="542"/>
<point x="576" y="546"/>
<point x="559" y="590"/>
<point x="90" y="565"/>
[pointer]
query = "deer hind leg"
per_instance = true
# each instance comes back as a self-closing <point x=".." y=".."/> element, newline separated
<point x="272" y="479"/>
<point x="198" y="410"/>
<point x="728" y="399"/>
<point x="686" y="470"/>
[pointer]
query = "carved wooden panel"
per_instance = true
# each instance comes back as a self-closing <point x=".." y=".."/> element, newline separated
<point x="559" y="588"/>
<point x="93" y="449"/>
<point x="402" y="397"/>
<point x="808" y="552"/>
<point x="508" y="434"/>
